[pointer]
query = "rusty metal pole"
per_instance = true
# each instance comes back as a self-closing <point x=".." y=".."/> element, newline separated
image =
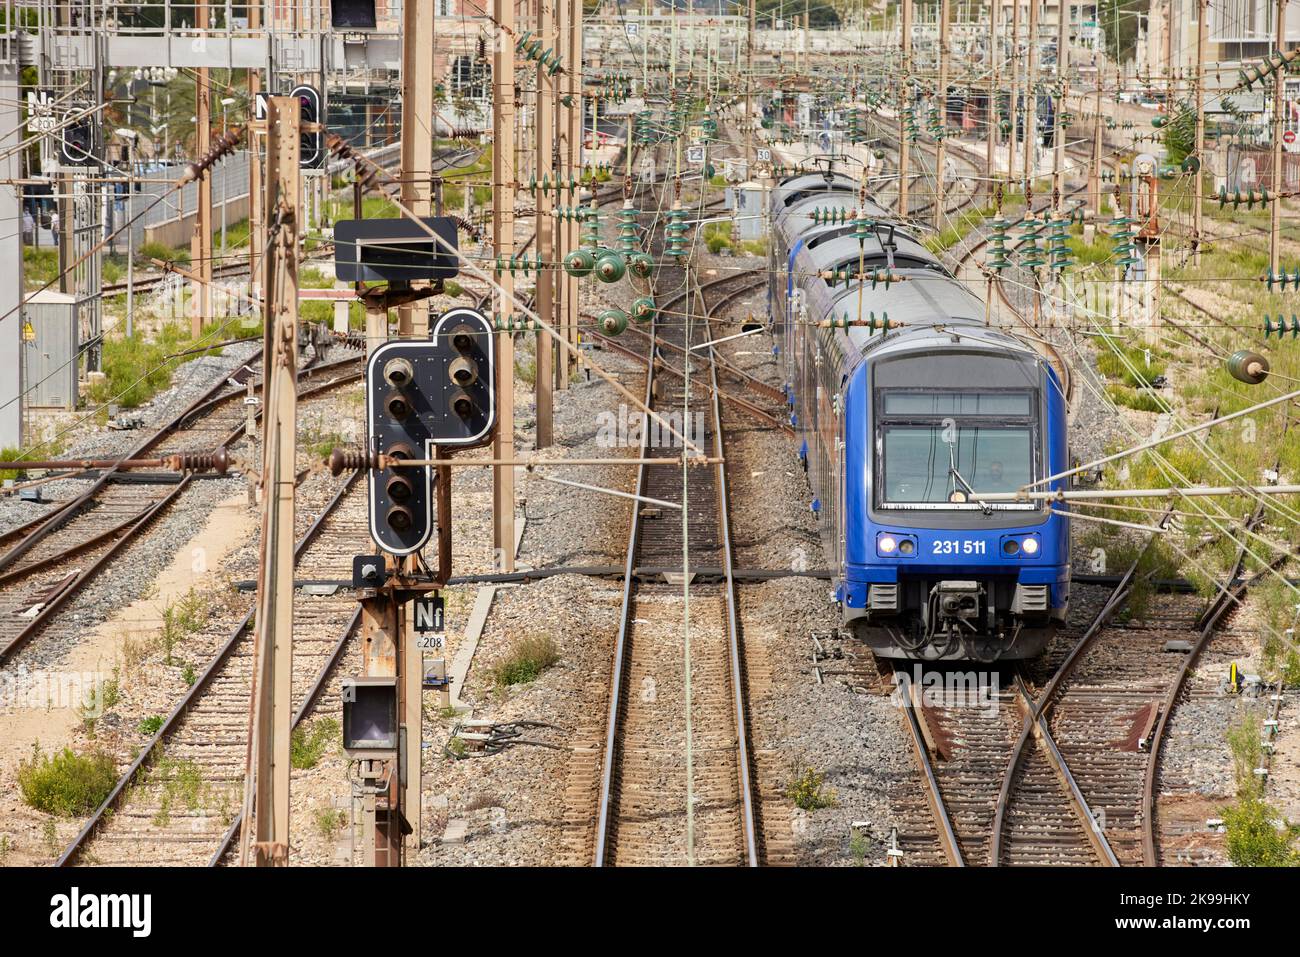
<point x="1058" y="135"/>
<point x="544" y="379"/>
<point x="1094" y="170"/>
<point x="1013" y="138"/>
<point x="256" y="244"/>
<point x="201" y="239"/>
<point x="267" y="788"/>
<point x="1031" y="99"/>
<point x="904" y="100"/>
<point x="995" y="92"/>
<point x="381" y="629"/>
<point x="1278" y="180"/>
<point x="573" y="162"/>
<point x="1198" y="212"/>
<point x="417" y="135"/>
<point x="941" y="98"/>
<point x="503" y="246"/>
<point x="749" y="85"/>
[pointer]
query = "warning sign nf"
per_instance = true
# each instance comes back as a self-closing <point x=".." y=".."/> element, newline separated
<point x="428" y="614"/>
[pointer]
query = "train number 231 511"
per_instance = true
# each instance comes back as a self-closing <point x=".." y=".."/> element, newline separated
<point x="948" y="546"/>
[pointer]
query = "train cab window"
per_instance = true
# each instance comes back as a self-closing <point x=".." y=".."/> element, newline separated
<point x="937" y="447"/>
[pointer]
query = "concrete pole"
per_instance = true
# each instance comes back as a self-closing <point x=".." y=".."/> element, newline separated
<point x="272" y="703"/>
<point x="544" y="379"/>
<point x="503" y="245"/>
<point x="1198" y="182"/>
<point x="1014" y="137"/>
<point x="941" y="98"/>
<point x="201" y="240"/>
<point x="904" y="100"/>
<point x="1031" y="99"/>
<point x="417" y="136"/>
<point x="11" y="261"/>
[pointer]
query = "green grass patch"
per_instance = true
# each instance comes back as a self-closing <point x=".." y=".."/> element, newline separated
<point x="329" y="822"/>
<point x="1132" y="366"/>
<point x="179" y="783"/>
<point x="180" y="619"/>
<point x="66" y="783"/>
<point x="310" y="741"/>
<point x="40" y="266"/>
<point x="150" y="726"/>
<point x="808" y="791"/>
<point x="717" y="236"/>
<point x="1133" y="398"/>
<point x="156" y="250"/>
<point x="527" y="659"/>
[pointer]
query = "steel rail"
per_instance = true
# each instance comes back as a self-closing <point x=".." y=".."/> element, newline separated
<point x="348" y="632"/>
<point x="42" y="618"/>
<point x="191" y="697"/>
<point x="749" y="826"/>
<point x="1035" y="726"/>
<point x="617" y="690"/>
<point x="604" y="801"/>
<point x="933" y="792"/>
<point x="743" y="404"/>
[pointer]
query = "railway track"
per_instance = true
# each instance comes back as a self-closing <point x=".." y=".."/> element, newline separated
<point x="679" y="639"/>
<point x="177" y="802"/>
<point x="48" y="561"/>
<point x="1061" y="764"/>
<point x="648" y="777"/>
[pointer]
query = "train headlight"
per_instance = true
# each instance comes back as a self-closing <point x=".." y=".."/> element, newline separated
<point x="1021" y="546"/>
<point x="893" y="544"/>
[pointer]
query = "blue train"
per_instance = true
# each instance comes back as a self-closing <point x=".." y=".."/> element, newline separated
<point x="902" y="424"/>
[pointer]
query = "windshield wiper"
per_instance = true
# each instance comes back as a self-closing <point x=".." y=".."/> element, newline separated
<point x="960" y="479"/>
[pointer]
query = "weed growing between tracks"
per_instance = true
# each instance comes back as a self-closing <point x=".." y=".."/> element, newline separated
<point x="1256" y="835"/>
<point x="329" y="822"/>
<point x="311" y="740"/>
<point x="179" y="782"/>
<point x="808" y="791"/>
<point x="527" y="659"/>
<point x="66" y="783"/>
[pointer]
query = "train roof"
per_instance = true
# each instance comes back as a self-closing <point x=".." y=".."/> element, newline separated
<point x="922" y="300"/>
<point x="796" y="219"/>
<point x="837" y="250"/>
<point x="803" y="182"/>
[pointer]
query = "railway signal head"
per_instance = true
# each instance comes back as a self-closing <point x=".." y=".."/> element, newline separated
<point x="311" y="154"/>
<point x="401" y="499"/>
<point x="421" y="394"/>
<point x="464" y="404"/>
<point x="77" y="143"/>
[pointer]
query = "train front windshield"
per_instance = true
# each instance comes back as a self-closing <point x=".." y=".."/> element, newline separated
<point x="938" y="447"/>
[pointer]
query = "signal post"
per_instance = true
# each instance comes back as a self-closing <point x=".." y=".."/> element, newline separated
<point x="423" y="398"/>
